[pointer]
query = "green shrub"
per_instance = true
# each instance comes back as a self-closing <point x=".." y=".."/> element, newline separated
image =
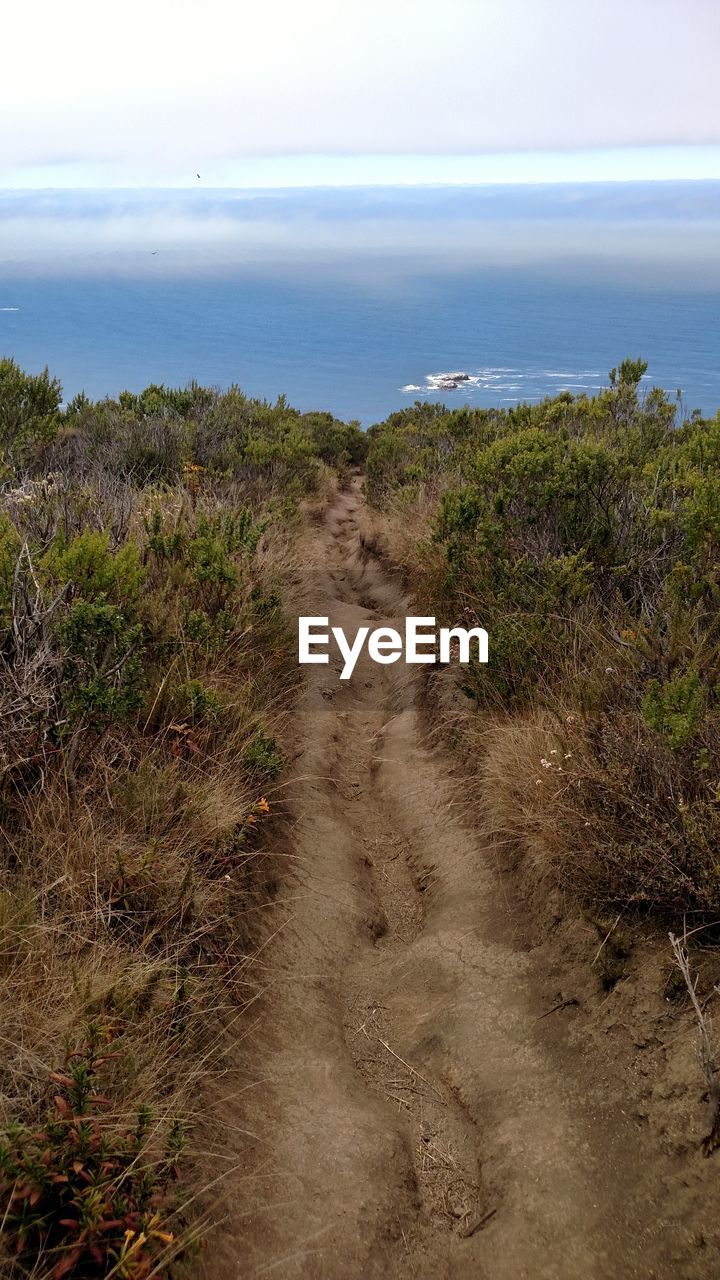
<point x="83" y="1193"/>
<point x="675" y="708"/>
<point x="29" y="409"/>
<point x="196" y="703"/>
<point x="95" y="572"/>
<point x="103" y="672"/>
<point x="262" y="757"/>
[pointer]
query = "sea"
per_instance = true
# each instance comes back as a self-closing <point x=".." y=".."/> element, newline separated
<point x="358" y="300"/>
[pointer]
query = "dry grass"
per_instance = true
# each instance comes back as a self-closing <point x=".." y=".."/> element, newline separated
<point x="135" y="878"/>
<point x="401" y="536"/>
<point x="591" y="801"/>
<point x="132" y="902"/>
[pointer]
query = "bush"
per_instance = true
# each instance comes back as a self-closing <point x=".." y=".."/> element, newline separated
<point x="584" y="535"/>
<point x="198" y="704"/>
<point x="102" y="672"/>
<point x="29" y="410"/>
<point x="675" y="708"/>
<point x="91" y="570"/>
<point x="83" y="1193"/>
<point x="262" y="757"/>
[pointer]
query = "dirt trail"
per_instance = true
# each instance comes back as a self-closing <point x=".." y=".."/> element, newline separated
<point x="402" y="1091"/>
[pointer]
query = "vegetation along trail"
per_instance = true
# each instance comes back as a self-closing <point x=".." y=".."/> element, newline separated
<point x="409" y="1112"/>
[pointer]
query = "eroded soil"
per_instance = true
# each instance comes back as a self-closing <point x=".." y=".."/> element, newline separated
<point x="414" y="1093"/>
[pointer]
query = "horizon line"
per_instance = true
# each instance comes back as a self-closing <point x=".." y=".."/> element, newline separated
<point x="361" y="186"/>
<point x="657" y="163"/>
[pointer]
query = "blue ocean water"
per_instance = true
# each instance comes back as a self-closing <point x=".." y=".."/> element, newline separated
<point x="352" y="307"/>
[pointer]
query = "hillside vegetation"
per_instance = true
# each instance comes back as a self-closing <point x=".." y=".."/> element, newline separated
<point x="584" y="535"/>
<point x="146" y="673"/>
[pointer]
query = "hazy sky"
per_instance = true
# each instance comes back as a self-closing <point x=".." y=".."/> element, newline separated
<point x="656" y="233"/>
<point x="268" y="92"/>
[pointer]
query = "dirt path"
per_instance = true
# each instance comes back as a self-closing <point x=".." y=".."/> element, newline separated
<point x="402" y="1090"/>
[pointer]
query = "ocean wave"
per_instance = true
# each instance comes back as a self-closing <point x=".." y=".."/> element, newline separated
<point x="571" y="373"/>
<point x="489" y="380"/>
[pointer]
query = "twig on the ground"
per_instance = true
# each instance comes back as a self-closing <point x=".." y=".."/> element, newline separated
<point x="474" y="1224"/>
<point x="563" y="1004"/>
<point x="419" y="1074"/>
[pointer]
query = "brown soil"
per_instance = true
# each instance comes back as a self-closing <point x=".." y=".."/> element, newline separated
<point x="429" y="1090"/>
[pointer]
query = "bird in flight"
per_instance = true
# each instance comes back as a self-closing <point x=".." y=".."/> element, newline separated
<point x="197" y="175"/>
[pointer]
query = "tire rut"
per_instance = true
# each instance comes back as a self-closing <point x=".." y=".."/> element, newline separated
<point x="442" y="1142"/>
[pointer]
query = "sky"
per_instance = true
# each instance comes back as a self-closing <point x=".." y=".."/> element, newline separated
<point x="150" y="93"/>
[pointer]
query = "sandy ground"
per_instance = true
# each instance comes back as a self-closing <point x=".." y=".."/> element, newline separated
<point x="411" y="1102"/>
